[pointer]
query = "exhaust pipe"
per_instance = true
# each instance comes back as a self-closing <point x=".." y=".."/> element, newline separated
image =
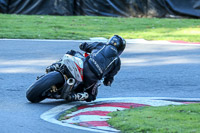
<point x="67" y="87"/>
<point x="71" y="81"/>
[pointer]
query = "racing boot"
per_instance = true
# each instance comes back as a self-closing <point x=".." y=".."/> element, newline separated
<point x="77" y="97"/>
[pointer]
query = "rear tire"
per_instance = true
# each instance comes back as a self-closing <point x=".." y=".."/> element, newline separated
<point x="35" y="91"/>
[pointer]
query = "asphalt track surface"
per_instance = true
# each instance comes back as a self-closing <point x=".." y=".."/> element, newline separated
<point x="148" y="70"/>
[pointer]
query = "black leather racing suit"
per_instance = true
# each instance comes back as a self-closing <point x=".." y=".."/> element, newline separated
<point x="103" y="62"/>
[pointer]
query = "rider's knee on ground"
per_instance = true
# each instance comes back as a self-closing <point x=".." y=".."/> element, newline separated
<point x="91" y="98"/>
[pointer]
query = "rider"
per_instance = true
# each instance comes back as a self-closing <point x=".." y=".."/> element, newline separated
<point x="102" y="62"/>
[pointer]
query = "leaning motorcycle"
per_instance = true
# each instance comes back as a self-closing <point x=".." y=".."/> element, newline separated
<point x="58" y="84"/>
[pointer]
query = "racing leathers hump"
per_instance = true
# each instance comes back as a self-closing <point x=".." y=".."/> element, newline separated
<point x="103" y="60"/>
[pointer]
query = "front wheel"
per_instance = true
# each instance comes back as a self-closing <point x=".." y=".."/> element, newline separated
<point x="35" y="91"/>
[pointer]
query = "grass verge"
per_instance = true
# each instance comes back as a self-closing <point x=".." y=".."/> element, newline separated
<point x="84" y="27"/>
<point x="166" y="119"/>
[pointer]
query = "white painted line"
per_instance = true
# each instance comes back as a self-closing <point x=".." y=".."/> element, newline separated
<point x="101" y="39"/>
<point x="141" y="100"/>
<point x="20" y="70"/>
<point x="84" y="118"/>
<point x="96" y="109"/>
<point x="45" y="40"/>
<point x="98" y="39"/>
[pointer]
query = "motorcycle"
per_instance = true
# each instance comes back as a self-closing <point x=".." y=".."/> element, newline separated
<point x="58" y="84"/>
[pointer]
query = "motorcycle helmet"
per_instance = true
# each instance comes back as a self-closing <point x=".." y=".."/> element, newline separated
<point x="118" y="42"/>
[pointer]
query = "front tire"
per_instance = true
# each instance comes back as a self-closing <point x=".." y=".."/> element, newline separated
<point x="35" y="91"/>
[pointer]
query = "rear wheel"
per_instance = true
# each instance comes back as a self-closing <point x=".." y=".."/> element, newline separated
<point x="35" y="91"/>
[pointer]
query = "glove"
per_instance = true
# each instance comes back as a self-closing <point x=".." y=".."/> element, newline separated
<point x="107" y="82"/>
<point x="53" y="67"/>
<point x="82" y="45"/>
<point x="71" y="52"/>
